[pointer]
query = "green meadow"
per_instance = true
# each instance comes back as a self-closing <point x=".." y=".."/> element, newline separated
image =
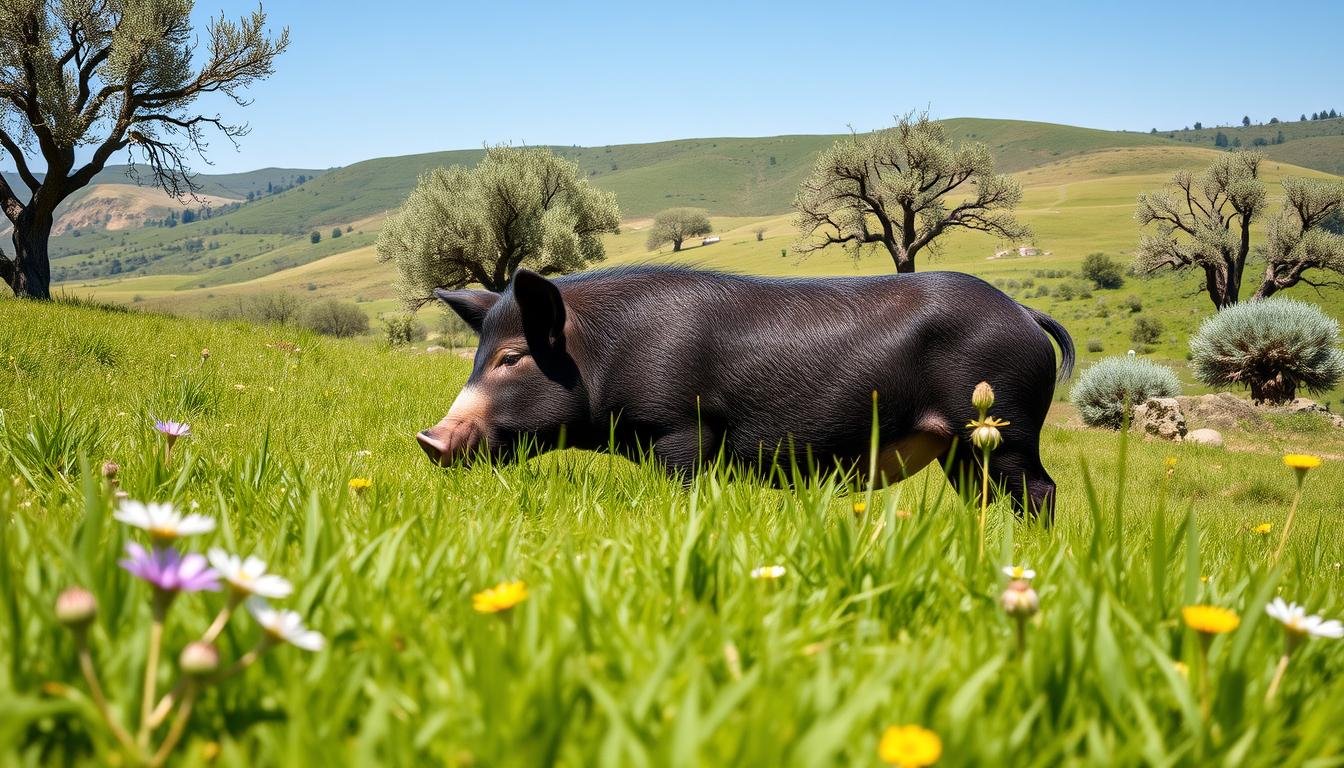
<point x="643" y="638"/>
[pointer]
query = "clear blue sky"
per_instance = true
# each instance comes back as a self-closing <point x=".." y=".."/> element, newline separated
<point x="368" y="79"/>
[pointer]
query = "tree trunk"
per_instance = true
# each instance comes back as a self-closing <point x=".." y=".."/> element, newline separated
<point x="901" y="257"/>
<point x="1222" y="291"/>
<point x="1267" y="288"/>
<point x="1273" y="391"/>
<point x="676" y="245"/>
<point x="31" y="277"/>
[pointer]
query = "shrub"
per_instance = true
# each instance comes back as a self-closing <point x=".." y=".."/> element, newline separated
<point x="333" y="317"/>
<point x="1107" y="389"/>
<point x="1095" y="345"/>
<point x="760" y="234"/>
<point x="1273" y="346"/>
<point x="1146" y="330"/>
<point x="402" y="328"/>
<point x="1065" y="291"/>
<point x="335" y="233"/>
<point x="1103" y="271"/>
<point x="1133" y="304"/>
<point x="315" y="237"/>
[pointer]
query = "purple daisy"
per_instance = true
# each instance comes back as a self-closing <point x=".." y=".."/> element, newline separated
<point x="169" y="571"/>
<point x="172" y="430"/>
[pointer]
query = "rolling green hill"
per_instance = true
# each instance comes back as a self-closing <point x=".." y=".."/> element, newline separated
<point x="728" y="176"/>
<point x="1316" y="144"/>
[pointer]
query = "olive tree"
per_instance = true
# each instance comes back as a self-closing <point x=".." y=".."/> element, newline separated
<point x="1203" y="221"/>
<point x="519" y="207"/>
<point x="901" y="189"/>
<point x="94" y="77"/>
<point x="1302" y="236"/>
<point x="674" y="225"/>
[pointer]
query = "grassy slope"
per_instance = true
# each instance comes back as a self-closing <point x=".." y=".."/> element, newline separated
<point x="642" y="640"/>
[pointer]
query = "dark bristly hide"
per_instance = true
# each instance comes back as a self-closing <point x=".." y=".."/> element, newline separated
<point x="694" y="364"/>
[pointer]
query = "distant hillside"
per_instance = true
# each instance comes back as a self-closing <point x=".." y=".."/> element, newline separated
<point x="1316" y="144"/>
<point x="727" y="176"/>
<point x="235" y="186"/>
<point x="121" y="198"/>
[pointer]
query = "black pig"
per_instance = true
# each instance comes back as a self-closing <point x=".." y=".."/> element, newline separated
<point x="689" y="363"/>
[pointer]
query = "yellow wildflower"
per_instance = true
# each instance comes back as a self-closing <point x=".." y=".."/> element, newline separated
<point x="360" y="484"/>
<point x="1263" y="529"/>
<point x="1171" y="462"/>
<point x="1210" y="619"/>
<point x="1301" y="461"/>
<point x="909" y="746"/>
<point x="500" y="597"/>
<point x="860" y="507"/>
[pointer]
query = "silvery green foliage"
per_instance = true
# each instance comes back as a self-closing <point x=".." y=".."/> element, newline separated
<point x="1105" y="389"/>
<point x="1273" y="346"/>
<point x="520" y="207"/>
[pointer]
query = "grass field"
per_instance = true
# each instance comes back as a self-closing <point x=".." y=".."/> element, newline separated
<point x="643" y="639"/>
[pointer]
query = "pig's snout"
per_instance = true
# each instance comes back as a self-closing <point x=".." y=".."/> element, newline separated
<point x="449" y="442"/>
<point x="454" y="439"/>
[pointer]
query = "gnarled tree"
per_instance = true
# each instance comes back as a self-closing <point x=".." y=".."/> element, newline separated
<point x="1203" y="221"/>
<point x="901" y="188"/>
<point x="1302" y="237"/>
<point x="674" y="225"/>
<point x="517" y="208"/>
<point x="99" y="76"/>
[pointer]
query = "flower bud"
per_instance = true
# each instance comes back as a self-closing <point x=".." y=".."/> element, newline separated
<point x="199" y="658"/>
<point x="986" y="436"/>
<point x="1019" y="600"/>
<point x="110" y="471"/>
<point x="76" y="607"/>
<point x="205" y="354"/>
<point x="983" y="397"/>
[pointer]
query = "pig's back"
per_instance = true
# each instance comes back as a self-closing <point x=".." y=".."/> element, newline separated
<point x="772" y="356"/>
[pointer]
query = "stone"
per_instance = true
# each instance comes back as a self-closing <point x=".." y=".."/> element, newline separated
<point x="1221" y="410"/>
<point x="1210" y="437"/>
<point x="1160" y="417"/>
<point x="434" y="349"/>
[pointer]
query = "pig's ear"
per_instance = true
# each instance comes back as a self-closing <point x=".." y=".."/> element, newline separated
<point x="542" y="308"/>
<point x="471" y="306"/>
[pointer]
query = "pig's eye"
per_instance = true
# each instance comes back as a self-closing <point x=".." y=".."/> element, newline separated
<point x="510" y="359"/>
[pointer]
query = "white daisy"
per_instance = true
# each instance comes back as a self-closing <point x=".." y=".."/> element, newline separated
<point x="769" y="572"/>
<point x="1295" y="619"/>
<point x="1019" y="572"/>
<point x="284" y="626"/>
<point x="248" y="576"/>
<point x="161" y="520"/>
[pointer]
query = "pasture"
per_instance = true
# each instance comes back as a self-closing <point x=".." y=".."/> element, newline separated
<point x="644" y="638"/>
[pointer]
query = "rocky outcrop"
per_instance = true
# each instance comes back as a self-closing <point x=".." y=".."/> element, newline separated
<point x="1160" y="417"/>
<point x="1221" y="410"/>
